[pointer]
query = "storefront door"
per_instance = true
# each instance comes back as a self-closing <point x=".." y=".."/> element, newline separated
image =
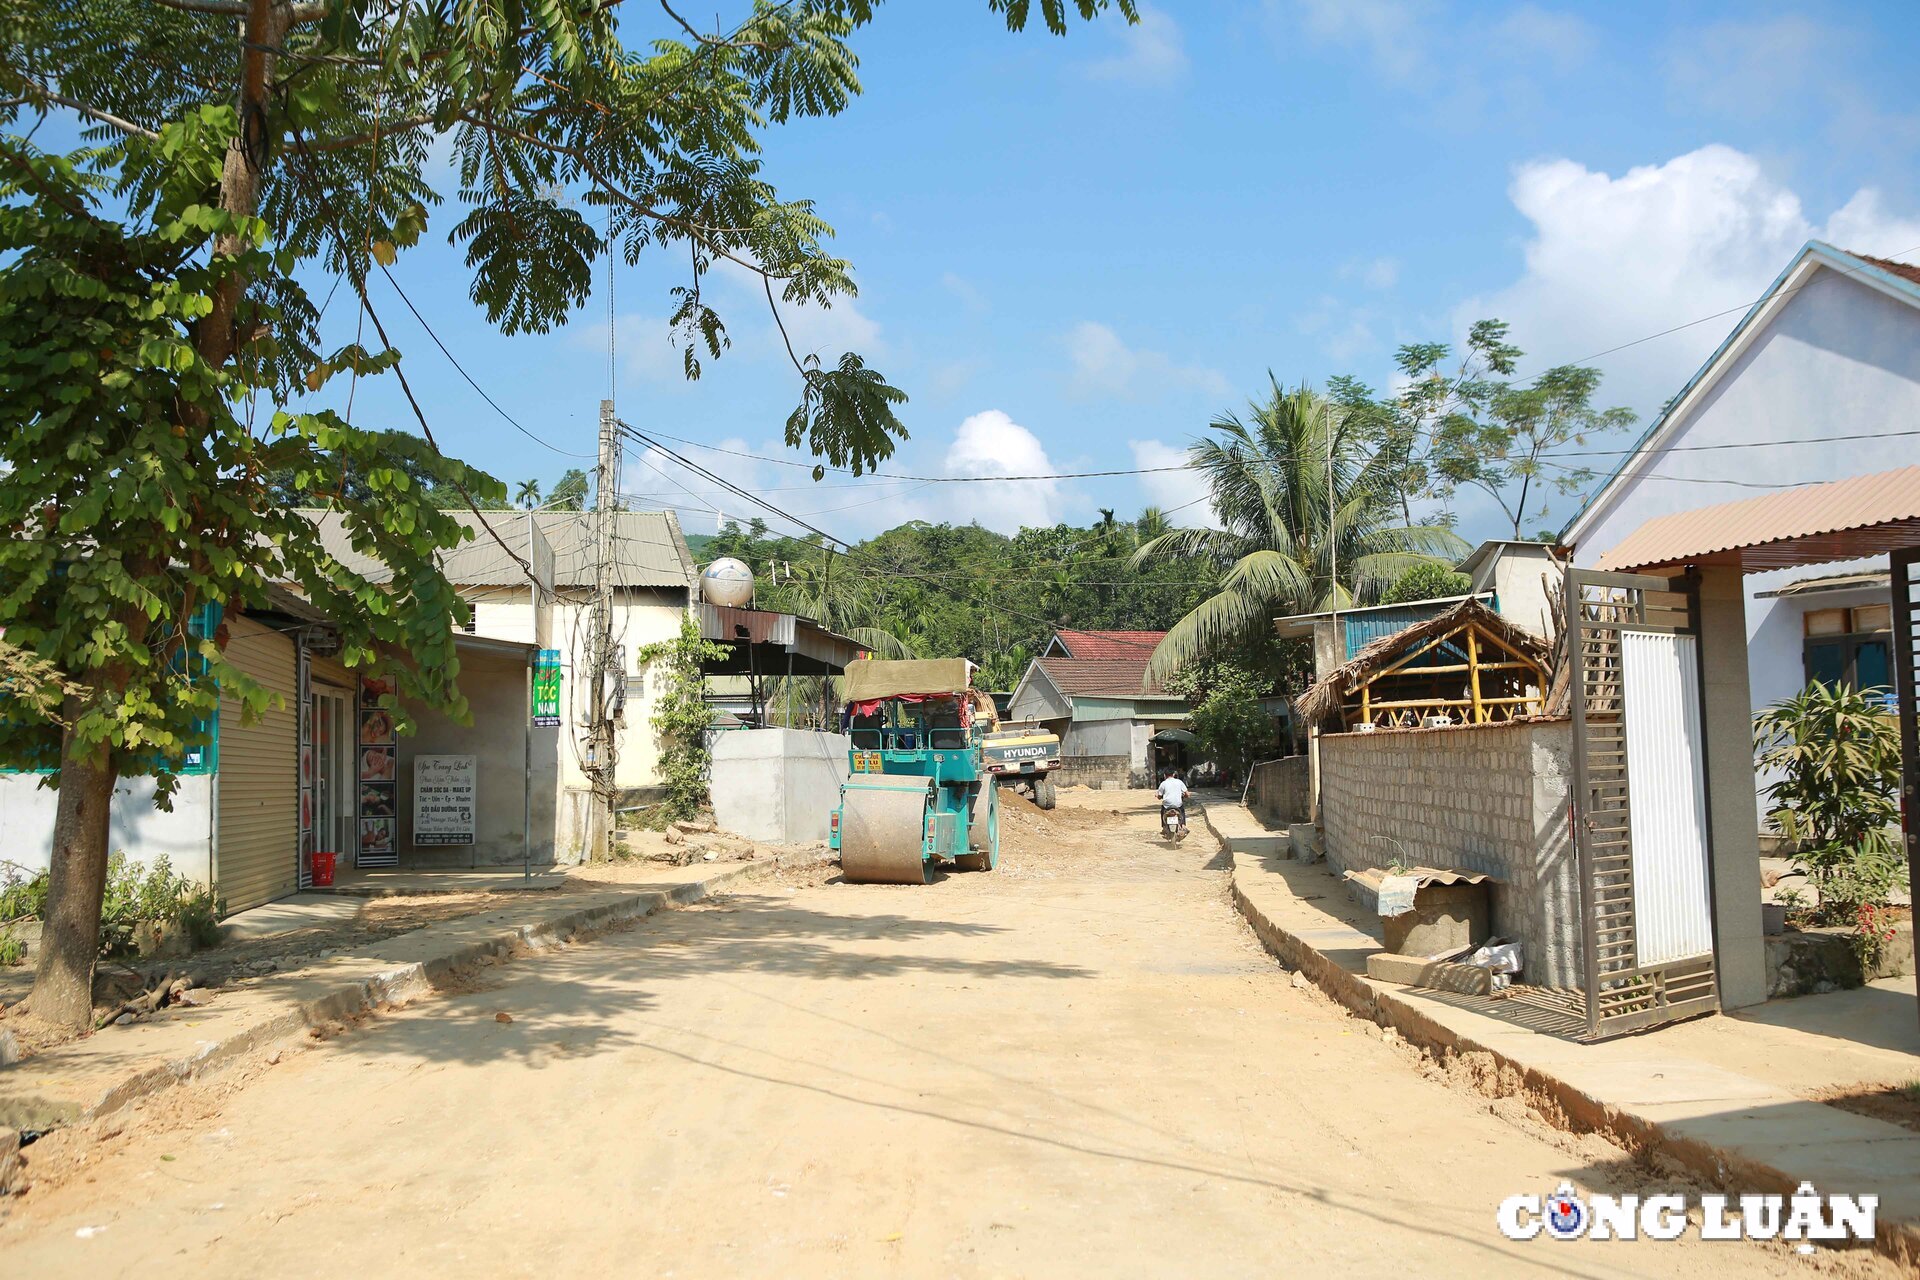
<point x="333" y="770"/>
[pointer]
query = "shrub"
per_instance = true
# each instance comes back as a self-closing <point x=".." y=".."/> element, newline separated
<point x="153" y="895"/>
<point x="1426" y="582"/>
<point x="1838" y="759"/>
<point x="682" y="716"/>
<point x="23" y="895"/>
<point x="13" y="950"/>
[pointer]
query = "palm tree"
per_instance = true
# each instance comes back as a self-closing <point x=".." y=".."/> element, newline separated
<point x="1292" y="546"/>
<point x="528" y="494"/>
<point x="838" y="597"/>
<point x="1150" y="524"/>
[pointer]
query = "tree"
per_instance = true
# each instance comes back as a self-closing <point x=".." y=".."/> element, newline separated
<point x="682" y="716"/>
<point x="249" y="138"/>
<point x="1306" y="517"/>
<point x="1401" y="429"/>
<point x="658" y="140"/>
<point x="1426" y="582"/>
<point x="1224" y="711"/>
<point x="527" y="494"/>
<point x="1505" y="449"/>
<point x="1835" y="757"/>
<point x="570" y="491"/>
<point x="133" y="497"/>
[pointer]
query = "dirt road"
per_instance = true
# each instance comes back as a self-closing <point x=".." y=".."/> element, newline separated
<point x="1078" y="1065"/>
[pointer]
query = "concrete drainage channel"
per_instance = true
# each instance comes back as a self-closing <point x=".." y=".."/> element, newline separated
<point x="356" y="998"/>
<point x="1552" y="1100"/>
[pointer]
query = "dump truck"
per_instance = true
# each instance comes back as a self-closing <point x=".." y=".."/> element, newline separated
<point x="918" y="792"/>
<point x="1024" y="755"/>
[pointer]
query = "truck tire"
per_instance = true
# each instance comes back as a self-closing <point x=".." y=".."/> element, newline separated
<point x="1043" y="792"/>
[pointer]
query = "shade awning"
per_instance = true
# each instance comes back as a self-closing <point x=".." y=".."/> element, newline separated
<point x="1813" y="524"/>
<point x="873" y="678"/>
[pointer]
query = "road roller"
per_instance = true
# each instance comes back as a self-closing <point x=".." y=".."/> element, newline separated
<point x="917" y="793"/>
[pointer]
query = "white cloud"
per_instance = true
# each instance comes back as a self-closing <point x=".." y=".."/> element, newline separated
<point x="1530" y="32"/>
<point x="1388" y="31"/>
<point x="1153" y="52"/>
<point x="1104" y="365"/>
<point x="1614" y="259"/>
<point x="992" y="444"/>
<point x="1374" y="273"/>
<point x="1178" y="493"/>
<point x="1744" y="68"/>
<point x="1345" y="333"/>
<point x="965" y="290"/>
<point x="645" y="347"/>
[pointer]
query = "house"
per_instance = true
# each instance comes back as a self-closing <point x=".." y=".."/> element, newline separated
<point x="1820" y="380"/>
<point x="321" y="772"/>
<point x="1517" y="580"/>
<point x="1091" y="688"/>
<point x="549" y="607"/>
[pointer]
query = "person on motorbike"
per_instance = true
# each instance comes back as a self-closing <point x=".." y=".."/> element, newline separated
<point x="1173" y="795"/>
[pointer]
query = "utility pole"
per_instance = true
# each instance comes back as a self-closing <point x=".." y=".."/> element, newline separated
<point x="602" y="749"/>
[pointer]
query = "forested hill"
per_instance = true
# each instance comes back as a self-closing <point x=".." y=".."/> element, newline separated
<point x="963" y="591"/>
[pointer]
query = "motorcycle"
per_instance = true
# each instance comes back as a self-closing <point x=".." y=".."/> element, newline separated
<point x="1173" y="823"/>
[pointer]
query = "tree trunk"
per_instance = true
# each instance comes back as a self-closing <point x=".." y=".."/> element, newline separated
<point x="76" y="883"/>
<point x="247" y="158"/>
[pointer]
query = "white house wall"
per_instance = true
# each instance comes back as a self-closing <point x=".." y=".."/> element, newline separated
<point x="1840" y="358"/>
<point x="138" y="829"/>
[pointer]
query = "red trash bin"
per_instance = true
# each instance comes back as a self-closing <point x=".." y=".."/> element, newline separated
<point x="323" y="869"/>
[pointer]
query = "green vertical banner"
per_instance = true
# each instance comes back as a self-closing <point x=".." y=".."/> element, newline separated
<point x="546" y="689"/>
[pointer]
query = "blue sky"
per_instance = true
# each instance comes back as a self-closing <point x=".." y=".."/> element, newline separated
<point x="1073" y="253"/>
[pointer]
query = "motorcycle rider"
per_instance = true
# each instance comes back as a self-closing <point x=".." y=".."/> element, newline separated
<point x="1173" y="795"/>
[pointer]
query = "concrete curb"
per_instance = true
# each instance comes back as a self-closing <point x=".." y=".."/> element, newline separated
<point x="401" y="983"/>
<point x="1721" y="1167"/>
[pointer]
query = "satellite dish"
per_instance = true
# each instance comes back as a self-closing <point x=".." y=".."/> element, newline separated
<point x="728" y="583"/>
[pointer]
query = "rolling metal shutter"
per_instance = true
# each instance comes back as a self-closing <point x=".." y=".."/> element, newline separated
<point x="256" y="857"/>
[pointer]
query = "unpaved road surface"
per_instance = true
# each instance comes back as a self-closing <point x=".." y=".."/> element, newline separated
<point x="1080" y="1065"/>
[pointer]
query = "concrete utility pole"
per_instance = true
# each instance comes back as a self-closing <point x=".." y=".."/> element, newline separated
<point x="602" y="749"/>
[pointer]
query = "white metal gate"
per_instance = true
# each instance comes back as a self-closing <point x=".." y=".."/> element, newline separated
<point x="1639" y="802"/>
<point x="1666" y="796"/>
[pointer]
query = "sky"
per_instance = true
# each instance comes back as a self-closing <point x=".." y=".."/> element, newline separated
<point x="1073" y="254"/>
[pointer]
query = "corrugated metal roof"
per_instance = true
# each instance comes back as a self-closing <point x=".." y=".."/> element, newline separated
<point x="1827" y="583"/>
<point x="1102" y="677"/>
<point x="649" y="549"/>
<point x="1814" y="524"/>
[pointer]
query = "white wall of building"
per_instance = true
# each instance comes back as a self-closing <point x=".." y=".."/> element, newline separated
<point x="138" y="829"/>
<point x="1839" y="358"/>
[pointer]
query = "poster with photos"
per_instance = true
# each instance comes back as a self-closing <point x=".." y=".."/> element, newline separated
<point x="303" y="706"/>
<point x="375" y="772"/>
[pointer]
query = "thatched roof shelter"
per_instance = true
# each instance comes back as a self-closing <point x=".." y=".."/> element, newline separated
<point x="1467" y="664"/>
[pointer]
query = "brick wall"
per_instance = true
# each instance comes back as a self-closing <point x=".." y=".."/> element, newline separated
<point x="1281" y="790"/>
<point x="1091" y="771"/>
<point x="1490" y="798"/>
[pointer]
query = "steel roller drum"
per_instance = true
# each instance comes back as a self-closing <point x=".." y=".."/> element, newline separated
<point x="881" y="830"/>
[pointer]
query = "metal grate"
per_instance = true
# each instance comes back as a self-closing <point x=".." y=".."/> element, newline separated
<point x="1621" y="994"/>
<point x="1906" y="649"/>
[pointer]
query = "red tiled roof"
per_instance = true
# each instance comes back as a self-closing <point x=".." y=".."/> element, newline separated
<point x="1901" y="269"/>
<point x="1125" y="646"/>
<point x="1101" y="677"/>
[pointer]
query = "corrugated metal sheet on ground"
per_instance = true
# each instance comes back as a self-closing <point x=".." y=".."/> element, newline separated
<point x="1814" y="524"/>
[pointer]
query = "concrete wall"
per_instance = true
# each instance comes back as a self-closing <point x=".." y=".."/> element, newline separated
<point x="1280" y="791"/>
<point x="138" y="829"/>
<point x="1488" y="798"/>
<point x="640" y="618"/>
<point x="1520" y="579"/>
<point x="1094" y="771"/>
<point x="496" y="691"/>
<point x="778" y="785"/>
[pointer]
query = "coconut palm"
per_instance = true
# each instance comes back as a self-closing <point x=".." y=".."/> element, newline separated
<point x="1284" y="546"/>
<point x="528" y="494"/>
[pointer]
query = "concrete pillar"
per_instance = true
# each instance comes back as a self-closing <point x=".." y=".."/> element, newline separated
<point x="1727" y="725"/>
